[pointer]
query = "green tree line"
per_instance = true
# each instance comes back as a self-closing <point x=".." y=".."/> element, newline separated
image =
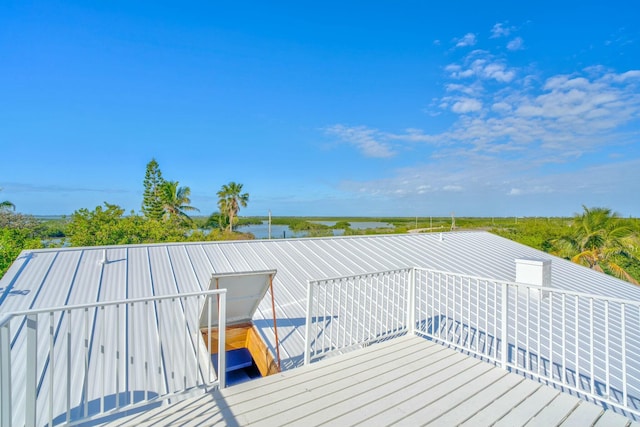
<point x="597" y="237"/>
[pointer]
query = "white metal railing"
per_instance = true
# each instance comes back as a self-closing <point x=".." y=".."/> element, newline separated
<point x="582" y="343"/>
<point x="81" y="362"/>
<point x="355" y="311"/>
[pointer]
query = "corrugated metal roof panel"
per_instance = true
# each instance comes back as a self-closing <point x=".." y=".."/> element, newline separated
<point x="57" y="277"/>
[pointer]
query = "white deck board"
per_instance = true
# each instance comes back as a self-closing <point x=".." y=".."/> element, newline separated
<point x="559" y="409"/>
<point x="475" y="403"/>
<point x="502" y="405"/>
<point x="529" y="407"/>
<point x="611" y="419"/>
<point x="583" y="415"/>
<point x="403" y="381"/>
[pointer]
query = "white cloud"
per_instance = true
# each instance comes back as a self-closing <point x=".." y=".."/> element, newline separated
<point x="498" y="72"/>
<point x="481" y="65"/>
<point x="366" y="140"/>
<point x="499" y="30"/>
<point x="516" y="44"/>
<point x="468" y="39"/>
<point x="514" y="134"/>
<point x="466" y="105"/>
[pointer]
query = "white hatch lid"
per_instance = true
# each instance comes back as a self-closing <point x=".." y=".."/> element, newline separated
<point x="244" y="293"/>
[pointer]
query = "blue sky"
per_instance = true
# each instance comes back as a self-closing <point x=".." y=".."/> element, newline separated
<point x="370" y="108"/>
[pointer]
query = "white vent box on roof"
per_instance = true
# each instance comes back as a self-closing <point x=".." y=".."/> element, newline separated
<point x="536" y="272"/>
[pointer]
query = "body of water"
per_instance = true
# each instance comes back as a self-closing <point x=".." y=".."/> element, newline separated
<point x="359" y="225"/>
<point x="261" y="231"/>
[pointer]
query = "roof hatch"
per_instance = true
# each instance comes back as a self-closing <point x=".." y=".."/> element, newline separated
<point x="244" y="293"/>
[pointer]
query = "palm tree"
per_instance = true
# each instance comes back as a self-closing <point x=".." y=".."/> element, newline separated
<point x="7" y="205"/>
<point x="230" y="199"/>
<point x="597" y="240"/>
<point x="175" y="200"/>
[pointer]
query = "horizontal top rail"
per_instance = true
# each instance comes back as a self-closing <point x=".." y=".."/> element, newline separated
<point x="530" y="286"/>
<point x="362" y="275"/>
<point x="110" y="303"/>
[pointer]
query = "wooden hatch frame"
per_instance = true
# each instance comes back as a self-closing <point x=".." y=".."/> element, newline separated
<point x="240" y="331"/>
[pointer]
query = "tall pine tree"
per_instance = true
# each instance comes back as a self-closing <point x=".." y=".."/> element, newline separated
<point x="152" y="199"/>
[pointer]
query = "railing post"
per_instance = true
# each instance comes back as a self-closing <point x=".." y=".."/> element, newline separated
<point x="222" y="329"/>
<point x="5" y="372"/>
<point x="504" y="312"/>
<point x="411" y="302"/>
<point x="32" y="370"/>
<point x="307" y="328"/>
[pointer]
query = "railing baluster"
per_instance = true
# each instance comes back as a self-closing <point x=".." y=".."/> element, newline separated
<point x="210" y="303"/>
<point x="624" y="354"/>
<point x="145" y="314"/>
<point x="504" y="310"/>
<point x="182" y="314"/>
<point x="68" y="394"/>
<point x="222" y="326"/>
<point x="85" y="387"/>
<point x="130" y="351"/>
<point x="197" y="344"/>
<point x="527" y="354"/>
<point x="606" y="349"/>
<point x="307" y="335"/>
<point x="576" y="338"/>
<point x="102" y="355"/>
<point x="551" y="325"/>
<point x="592" y="375"/>
<point x="563" y="376"/>
<point x="185" y="345"/>
<point x="516" y="328"/>
<point x="32" y="371"/>
<point x="51" y="366"/>
<point x="539" y="334"/>
<point x="117" y="361"/>
<point x="6" y="397"/>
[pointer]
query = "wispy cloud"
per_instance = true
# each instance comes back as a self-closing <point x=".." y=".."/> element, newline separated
<point x="516" y="44"/>
<point x="501" y="30"/>
<point x="466" y="105"/>
<point x="482" y="65"/>
<point x="364" y="139"/>
<point x="513" y="131"/>
<point x="468" y="39"/>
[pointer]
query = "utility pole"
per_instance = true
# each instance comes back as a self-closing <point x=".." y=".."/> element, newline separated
<point x="269" y="224"/>
<point x="453" y="221"/>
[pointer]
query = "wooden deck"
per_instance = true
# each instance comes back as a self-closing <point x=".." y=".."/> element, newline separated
<point x="405" y="381"/>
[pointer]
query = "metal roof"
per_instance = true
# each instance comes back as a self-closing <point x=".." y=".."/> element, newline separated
<point x="65" y="276"/>
<point x="244" y="292"/>
<point x="71" y="276"/>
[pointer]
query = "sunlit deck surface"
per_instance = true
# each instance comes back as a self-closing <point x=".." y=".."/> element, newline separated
<point x="403" y="381"/>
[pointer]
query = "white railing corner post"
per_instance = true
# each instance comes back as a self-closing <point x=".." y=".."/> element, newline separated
<point x="32" y="371"/>
<point x="504" y="314"/>
<point x="5" y="372"/>
<point x="411" y="302"/>
<point x="222" y="329"/>
<point x="307" y="326"/>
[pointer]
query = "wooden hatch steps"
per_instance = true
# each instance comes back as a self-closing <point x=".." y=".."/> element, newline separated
<point x="243" y="336"/>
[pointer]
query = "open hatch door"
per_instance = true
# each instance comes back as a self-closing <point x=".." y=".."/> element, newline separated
<point x="247" y="355"/>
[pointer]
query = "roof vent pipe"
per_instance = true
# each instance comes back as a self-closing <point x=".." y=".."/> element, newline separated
<point x="104" y="259"/>
<point x="441" y="238"/>
<point x="534" y="272"/>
